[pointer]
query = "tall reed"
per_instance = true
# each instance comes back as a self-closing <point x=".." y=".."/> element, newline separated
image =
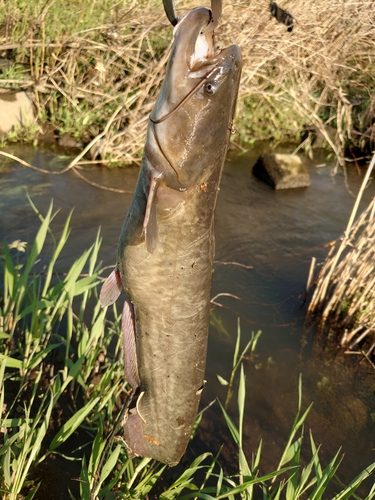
<point x="343" y="302"/>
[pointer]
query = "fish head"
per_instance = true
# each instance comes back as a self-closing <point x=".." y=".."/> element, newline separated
<point x="192" y="118"/>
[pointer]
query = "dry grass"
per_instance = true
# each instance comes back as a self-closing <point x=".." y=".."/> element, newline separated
<point x="320" y="74"/>
<point x="323" y="73"/>
<point x="344" y="298"/>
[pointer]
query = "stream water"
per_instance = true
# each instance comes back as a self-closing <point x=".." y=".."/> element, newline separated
<point x="276" y="233"/>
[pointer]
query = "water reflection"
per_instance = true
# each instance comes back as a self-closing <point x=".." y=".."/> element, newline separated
<point x="275" y="232"/>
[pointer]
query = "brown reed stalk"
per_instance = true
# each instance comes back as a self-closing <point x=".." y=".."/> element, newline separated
<point x="344" y="297"/>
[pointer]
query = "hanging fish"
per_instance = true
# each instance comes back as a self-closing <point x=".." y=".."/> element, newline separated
<point x="166" y="247"/>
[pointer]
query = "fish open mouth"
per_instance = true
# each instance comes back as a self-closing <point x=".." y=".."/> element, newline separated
<point x="204" y="46"/>
<point x="198" y="81"/>
<point x="195" y="32"/>
<point x="193" y="57"/>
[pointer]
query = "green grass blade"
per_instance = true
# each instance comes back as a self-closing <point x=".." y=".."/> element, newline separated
<point x="36" y="360"/>
<point x="237" y="346"/>
<point x="11" y="362"/>
<point x="142" y="464"/>
<point x="252" y="481"/>
<point x="147" y="483"/>
<point x="316" y="461"/>
<point x="371" y="494"/>
<point x="350" y="489"/>
<point x="241" y="403"/>
<point x="297" y="424"/>
<point x="10" y="276"/>
<point x="34" y="449"/>
<point x="96" y="451"/>
<point x="293" y="450"/>
<point x="38" y="244"/>
<point x="63" y="239"/>
<point x="327" y="475"/>
<point x="85" y="284"/>
<point x="72" y="424"/>
<point x="110" y="464"/>
<point x="84" y="481"/>
<point x="231" y="425"/>
<point x="256" y="461"/>
<point x="6" y="468"/>
<point x="33" y="491"/>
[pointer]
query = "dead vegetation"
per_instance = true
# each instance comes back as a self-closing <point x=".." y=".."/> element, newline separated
<point x="319" y="75"/>
<point x="344" y="298"/>
<point x="106" y="62"/>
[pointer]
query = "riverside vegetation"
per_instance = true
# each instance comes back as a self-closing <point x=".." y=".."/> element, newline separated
<point x="97" y="66"/>
<point x="62" y="386"/>
<point x="343" y="303"/>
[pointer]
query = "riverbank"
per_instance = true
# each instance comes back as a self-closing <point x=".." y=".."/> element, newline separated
<point x="93" y="71"/>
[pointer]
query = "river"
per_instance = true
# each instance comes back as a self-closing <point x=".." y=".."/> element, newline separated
<point x="273" y="235"/>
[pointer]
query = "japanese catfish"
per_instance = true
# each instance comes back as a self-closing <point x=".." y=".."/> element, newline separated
<point x="166" y="247"/>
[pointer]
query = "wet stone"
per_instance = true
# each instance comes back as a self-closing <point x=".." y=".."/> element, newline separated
<point x="68" y="141"/>
<point x="351" y="413"/>
<point x="282" y="171"/>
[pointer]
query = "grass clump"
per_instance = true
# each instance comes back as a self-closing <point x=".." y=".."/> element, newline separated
<point x="50" y="355"/>
<point x="62" y="385"/>
<point x="344" y="298"/>
<point x="81" y="61"/>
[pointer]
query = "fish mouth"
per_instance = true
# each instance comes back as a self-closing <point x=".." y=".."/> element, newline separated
<point x="197" y="37"/>
<point x="194" y="43"/>
<point x="199" y="85"/>
<point x="192" y="61"/>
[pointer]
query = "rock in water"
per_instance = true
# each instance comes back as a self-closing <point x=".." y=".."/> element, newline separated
<point x="282" y="171"/>
<point x="16" y="109"/>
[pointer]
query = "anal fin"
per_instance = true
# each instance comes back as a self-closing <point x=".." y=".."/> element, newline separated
<point x="111" y="288"/>
<point x="129" y="344"/>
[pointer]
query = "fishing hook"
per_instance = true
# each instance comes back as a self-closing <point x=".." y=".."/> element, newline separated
<point x="216" y="9"/>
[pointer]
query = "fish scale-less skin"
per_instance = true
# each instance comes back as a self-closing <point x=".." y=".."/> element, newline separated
<point x="166" y="247"/>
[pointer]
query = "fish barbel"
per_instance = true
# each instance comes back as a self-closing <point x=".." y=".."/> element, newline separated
<point x="166" y="246"/>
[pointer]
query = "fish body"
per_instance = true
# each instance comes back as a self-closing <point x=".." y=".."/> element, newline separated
<point x="166" y="246"/>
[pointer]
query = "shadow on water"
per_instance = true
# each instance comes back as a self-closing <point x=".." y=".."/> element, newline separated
<point x="275" y="232"/>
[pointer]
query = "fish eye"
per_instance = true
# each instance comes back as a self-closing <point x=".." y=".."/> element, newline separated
<point x="210" y="88"/>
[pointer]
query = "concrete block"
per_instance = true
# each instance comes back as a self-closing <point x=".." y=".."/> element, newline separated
<point x="282" y="171"/>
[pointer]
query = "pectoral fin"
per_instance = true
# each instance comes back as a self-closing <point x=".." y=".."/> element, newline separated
<point x="111" y="288"/>
<point x="129" y="344"/>
<point x="150" y="229"/>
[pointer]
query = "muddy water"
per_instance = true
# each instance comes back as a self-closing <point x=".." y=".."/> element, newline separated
<point x="277" y="234"/>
